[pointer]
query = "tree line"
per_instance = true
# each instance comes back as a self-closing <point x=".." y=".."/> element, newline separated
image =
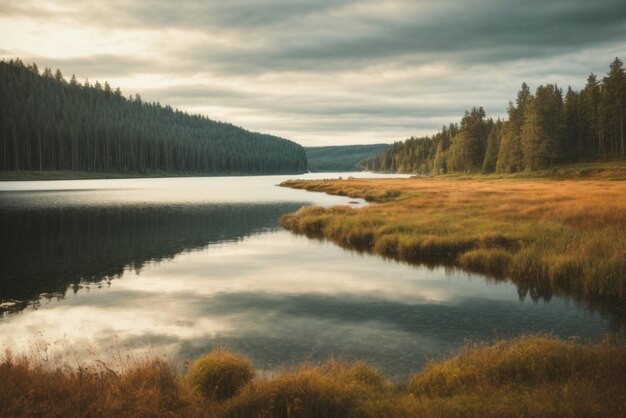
<point x="49" y="123"/>
<point x="542" y="129"/>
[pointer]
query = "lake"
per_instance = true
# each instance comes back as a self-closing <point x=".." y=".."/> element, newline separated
<point x="173" y="267"/>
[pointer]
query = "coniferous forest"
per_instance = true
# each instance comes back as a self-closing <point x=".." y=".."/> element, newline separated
<point x="49" y="123"/>
<point x="542" y="129"/>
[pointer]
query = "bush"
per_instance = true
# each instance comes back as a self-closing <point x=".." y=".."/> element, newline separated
<point x="329" y="390"/>
<point x="522" y="361"/>
<point x="363" y="374"/>
<point x="220" y="374"/>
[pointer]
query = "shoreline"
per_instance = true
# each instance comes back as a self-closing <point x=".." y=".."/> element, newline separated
<point x="568" y="240"/>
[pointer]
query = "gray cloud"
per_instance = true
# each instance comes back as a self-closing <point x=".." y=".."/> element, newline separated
<point x="367" y="70"/>
<point x="98" y="66"/>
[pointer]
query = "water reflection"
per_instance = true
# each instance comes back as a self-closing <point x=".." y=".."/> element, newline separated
<point x="59" y="234"/>
<point x="281" y="299"/>
<point x="43" y="251"/>
<point x="205" y="265"/>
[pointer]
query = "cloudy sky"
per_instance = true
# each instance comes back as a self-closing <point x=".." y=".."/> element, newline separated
<point x="321" y="72"/>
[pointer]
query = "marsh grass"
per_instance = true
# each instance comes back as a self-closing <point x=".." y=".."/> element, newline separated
<point x="150" y="389"/>
<point x="219" y="375"/>
<point x="529" y="377"/>
<point x="550" y="236"/>
<point x="331" y="389"/>
<point x="526" y="377"/>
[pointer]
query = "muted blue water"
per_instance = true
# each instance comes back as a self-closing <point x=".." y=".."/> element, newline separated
<point x="177" y="266"/>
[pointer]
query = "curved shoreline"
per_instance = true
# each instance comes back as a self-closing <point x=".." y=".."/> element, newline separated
<point x="548" y="237"/>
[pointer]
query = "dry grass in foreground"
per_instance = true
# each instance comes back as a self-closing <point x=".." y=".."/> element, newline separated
<point x="567" y="237"/>
<point x="529" y="377"/>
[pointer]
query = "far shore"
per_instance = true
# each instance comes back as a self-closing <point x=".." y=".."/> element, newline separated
<point x="94" y="175"/>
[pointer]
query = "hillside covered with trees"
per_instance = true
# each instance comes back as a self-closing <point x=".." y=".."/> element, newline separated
<point x="542" y="129"/>
<point x="48" y="123"/>
<point x="341" y="158"/>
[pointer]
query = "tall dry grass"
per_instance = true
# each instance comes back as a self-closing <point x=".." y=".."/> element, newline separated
<point x="566" y="237"/>
<point x="527" y="377"/>
<point x="29" y="388"/>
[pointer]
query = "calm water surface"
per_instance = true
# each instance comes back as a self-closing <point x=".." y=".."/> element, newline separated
<point x="177" y="266"/>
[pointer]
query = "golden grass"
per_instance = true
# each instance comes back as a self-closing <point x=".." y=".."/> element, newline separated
<point x="332" y="389"/>
<point x="566" y="236"/>
<point x="527" y="377"/>
<point x="150" y="389"/>
<point x="219" y="374"/>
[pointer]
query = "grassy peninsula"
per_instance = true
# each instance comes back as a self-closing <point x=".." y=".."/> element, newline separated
<point x="550" y="236"/>
<point x="528" y="377"/>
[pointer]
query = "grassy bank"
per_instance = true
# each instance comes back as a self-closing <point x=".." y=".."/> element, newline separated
<point x="548" y="236"/>
<point x="528" y="377"/>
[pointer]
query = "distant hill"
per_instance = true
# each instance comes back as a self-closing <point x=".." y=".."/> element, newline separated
<point x="341" y="158"/>
<point x="49" y="123"/>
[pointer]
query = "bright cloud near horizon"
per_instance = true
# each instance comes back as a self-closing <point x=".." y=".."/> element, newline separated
<point x="325" y="72"/>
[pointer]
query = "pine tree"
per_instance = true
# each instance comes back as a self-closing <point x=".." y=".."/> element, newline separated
<point x="613" y="101"/>
<point x="468" y="146"/>
<point x="493" y="148"/>
<point x="542" y="129"/>
<point x="510" y="157"/>
<point x="59" y="77"/>
<point x="573" y="135"/>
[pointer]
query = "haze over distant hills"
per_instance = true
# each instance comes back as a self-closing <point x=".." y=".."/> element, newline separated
<point x="341" y="158"/>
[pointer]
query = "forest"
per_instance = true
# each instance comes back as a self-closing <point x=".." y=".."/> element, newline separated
<point x="542" y="129"/>
<point x="49" y="123"/>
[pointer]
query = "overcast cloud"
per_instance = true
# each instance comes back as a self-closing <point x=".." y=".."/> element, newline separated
<point x="321" y="72"/>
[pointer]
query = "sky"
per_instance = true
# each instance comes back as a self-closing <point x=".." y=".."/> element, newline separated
<point x="321" y="72"/>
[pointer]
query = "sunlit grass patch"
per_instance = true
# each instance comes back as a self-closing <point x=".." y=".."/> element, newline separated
<point x="567" y="236"/>
<point x="332" y="389"/>
<point x="494" y="261"/>
<point x="219" y="374"/>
